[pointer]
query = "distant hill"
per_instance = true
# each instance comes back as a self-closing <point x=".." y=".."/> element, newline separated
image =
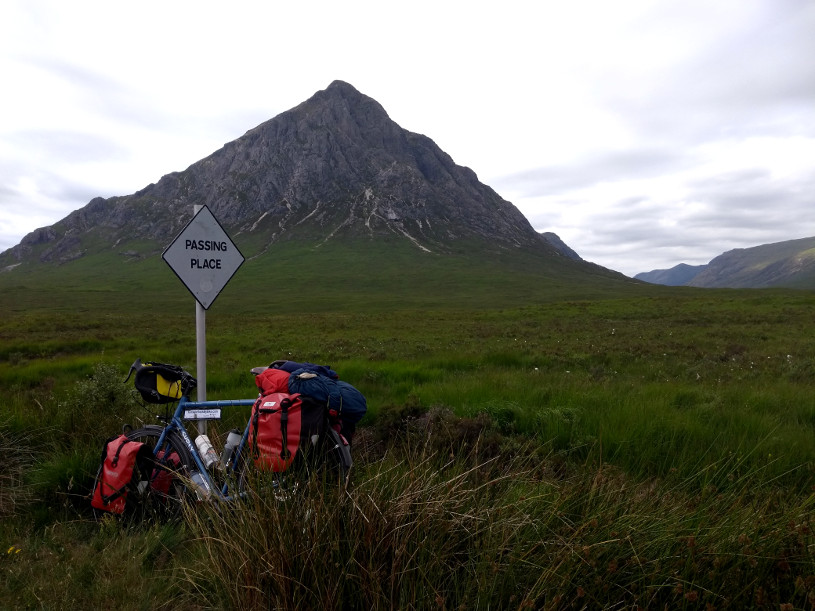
<point x="678" y="275"/>
<point x="789" y="264"/>
<point x="782" y="264"/>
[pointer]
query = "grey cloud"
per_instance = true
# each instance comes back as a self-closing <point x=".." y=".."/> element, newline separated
<point x="735" y="210"/>
<point x="754" y="195"/>
<point x="7" y="192"/>
<point x="759" y="79"/>
<point x="80" y="193"/>
<point x="640" y="233"/>
<point x="593" y="168"/>
<point x="643" y="246"/>
<point x="773" y="62"/>
<point x="75" y="74"/>
<point x="66" y="145"/>
<point x="110" y="97"/>
<point x="728" y="179"/>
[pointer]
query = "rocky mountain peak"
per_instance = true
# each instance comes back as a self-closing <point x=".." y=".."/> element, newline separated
<point x="333" y="166"/>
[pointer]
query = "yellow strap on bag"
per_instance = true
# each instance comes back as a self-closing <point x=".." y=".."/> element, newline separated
<point x="168" y="388"/>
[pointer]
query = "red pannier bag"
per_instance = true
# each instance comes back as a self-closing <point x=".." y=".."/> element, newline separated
<point x="283" y="426"/>
<point x="162" y="477"/>
<point x="273" y="380"/>
<point x="123" y="461"/>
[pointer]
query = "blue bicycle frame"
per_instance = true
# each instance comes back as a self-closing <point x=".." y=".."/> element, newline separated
<point x="176" y="423"/>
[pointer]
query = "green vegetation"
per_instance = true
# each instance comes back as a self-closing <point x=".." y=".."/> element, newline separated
<point x="527" y="444"/>
<point x="332" y="277"/>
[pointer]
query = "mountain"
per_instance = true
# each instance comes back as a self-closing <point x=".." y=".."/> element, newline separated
<point x="678" y="275"/>
<point x="781" y="264"/>
<point x="560" y="245"/>
<point x="329" y="202"/>
<point x="334" y="166"/>
<point x="789" y="264"/>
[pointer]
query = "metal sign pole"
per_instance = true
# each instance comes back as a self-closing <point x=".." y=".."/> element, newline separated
<point x="200" y="351"/>
<point x="204" y="259"/>
<point x="201" y="359"/>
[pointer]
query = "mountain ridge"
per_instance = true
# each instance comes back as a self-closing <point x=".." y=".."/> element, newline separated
<point x="789" y="264"/>
<point x="678" y="275"/>
<point x="334" y="165"/>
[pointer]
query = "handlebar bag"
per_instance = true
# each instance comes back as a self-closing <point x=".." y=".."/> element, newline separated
<point x="162" y="383"/>
<point x="123" y="463"/>
<point x="283" y="427"/>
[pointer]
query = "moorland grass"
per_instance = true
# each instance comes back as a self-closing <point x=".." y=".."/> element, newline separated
<point x="662" y="445"/>
<point x="448" y="513"/>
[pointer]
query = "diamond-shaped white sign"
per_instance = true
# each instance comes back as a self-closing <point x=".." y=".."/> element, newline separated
<point x="203" y="257"/>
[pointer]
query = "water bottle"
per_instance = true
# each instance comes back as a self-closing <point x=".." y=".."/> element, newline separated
<point x="205" y="449"/>
<point x="199" y="483"/>
<point x="232" y="441"/>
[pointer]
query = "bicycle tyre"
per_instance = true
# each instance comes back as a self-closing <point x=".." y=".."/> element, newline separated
<point x="148" y="502"/>
<point x="335" y="457"/>
<point x="329" y="459"/>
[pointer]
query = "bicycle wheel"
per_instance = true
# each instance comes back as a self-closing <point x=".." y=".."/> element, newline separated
<point x="328" y="458"/>
<point x="164" y="490"/>
<point x="334" y="457"/>
<point x="161" y="490"/>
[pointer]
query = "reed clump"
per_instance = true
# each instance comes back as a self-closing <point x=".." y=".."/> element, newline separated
<point x="428" y="523"/>
<point x="19" y="456"/>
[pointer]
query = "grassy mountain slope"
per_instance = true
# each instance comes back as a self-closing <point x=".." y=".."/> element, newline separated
<point x="337" y="276"/>
<point x="781" y="264"/>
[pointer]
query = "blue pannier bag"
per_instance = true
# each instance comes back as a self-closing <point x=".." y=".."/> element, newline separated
<point x="339" y="397"/>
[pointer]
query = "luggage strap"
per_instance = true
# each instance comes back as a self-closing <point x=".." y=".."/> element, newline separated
<point x="284" y="427"/>
<point x="107" y="499"/>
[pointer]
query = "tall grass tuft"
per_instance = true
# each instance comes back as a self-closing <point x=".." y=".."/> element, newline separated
<point x="419" y="528"/>
<point x="433" y="523"/>
<point x="18" y="458"/>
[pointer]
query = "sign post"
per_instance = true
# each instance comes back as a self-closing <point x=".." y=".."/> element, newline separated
<point x="200" y="350"/>
<point x="204" y="258"/>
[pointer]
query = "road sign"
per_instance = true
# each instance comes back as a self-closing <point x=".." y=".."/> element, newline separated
<point x="203" y="257"/>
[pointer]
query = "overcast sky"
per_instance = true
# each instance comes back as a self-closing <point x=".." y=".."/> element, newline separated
<point x="644" y="133"/>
